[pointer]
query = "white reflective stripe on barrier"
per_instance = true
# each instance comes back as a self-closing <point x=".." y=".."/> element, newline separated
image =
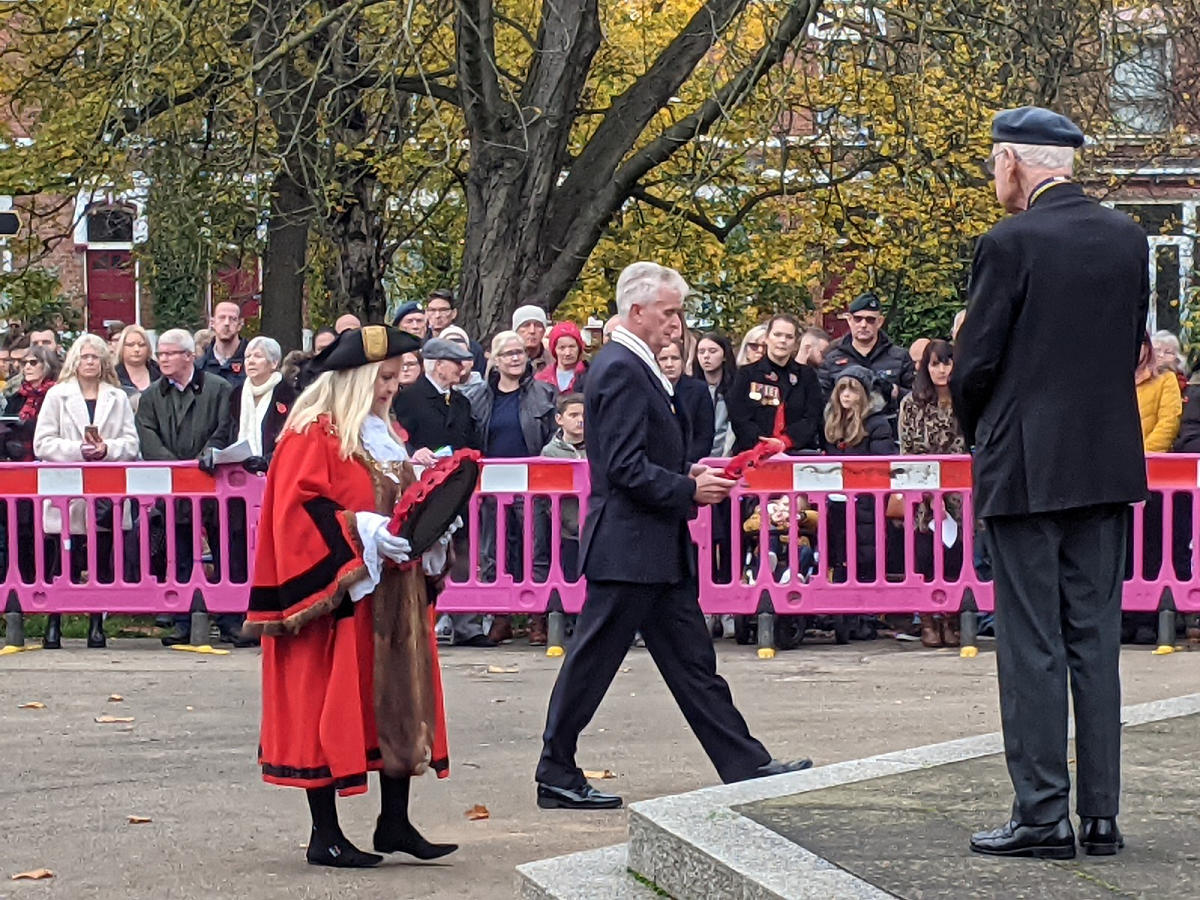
<point x="60" y="482"/>
<point x="148" y="480"/>
<point x="503" y="478"/>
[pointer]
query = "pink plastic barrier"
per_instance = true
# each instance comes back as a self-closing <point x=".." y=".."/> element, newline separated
<point x="126" y="537"/>
<point x="145" y="537"/>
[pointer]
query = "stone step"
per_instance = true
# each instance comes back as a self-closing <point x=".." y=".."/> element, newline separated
<point x="592" y="875"/>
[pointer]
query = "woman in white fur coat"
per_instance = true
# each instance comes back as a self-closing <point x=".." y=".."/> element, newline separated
<point x="87" y="418"/>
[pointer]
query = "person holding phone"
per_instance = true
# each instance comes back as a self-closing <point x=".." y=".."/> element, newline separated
<point x="86" y="417"/>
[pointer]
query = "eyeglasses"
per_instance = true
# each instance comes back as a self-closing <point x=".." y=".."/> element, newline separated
<point x="437" y="309"/>
<point x="755" y="345"/>
<point x="989" y="165"/>
<point x="31" y="362"/>
<point x="409" y="365"/>
<point x="865" y="320"/>
<point x="512" y="354"/>
<point x="167" y="354"/>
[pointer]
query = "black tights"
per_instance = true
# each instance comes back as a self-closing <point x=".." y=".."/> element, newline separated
<point x="393" y="808"/>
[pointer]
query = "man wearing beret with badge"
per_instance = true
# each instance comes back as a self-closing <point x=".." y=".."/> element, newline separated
<point x="867" y="345"/>
<point x="1058" y="459"/>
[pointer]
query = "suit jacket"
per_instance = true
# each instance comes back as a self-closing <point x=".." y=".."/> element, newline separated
<point x="641" y="497"/>
<point x="753" y="418"/>
<point x="58" y="437"/>
<point x="174" y="424"/>
<point x="432" y="421"/>
<point x="1044" y="363"/>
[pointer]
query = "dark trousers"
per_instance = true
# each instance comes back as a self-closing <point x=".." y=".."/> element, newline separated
<point x="1058" y="610"/>
<point x="669" y="618"/>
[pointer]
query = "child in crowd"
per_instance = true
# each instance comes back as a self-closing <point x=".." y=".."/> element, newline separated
<point x="568" y="444"/>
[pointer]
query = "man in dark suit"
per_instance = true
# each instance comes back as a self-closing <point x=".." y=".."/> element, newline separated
<point x="432" y="413"/>
<point x="1058" y="460"/>
<point x="638" y="557"/>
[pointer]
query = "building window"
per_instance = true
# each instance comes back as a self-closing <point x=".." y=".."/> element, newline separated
<point x="110" y="225"/>
<point x="1140" y="96"/>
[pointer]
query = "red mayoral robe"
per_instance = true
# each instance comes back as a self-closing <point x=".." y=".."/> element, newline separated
<point x="347" y="687"/>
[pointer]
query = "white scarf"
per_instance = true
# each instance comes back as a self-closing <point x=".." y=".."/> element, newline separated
<point x="630" y="341"/>
<point x="255" y="404"/>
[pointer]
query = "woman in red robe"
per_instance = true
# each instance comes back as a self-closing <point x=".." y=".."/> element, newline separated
<point x="350" y="670"/>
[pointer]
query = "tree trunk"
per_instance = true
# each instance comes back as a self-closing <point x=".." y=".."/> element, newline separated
<point x="283" y="263"/>
<point x="355" y="278"/>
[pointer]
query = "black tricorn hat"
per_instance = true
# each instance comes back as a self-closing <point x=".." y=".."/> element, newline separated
<point x="362" y="346"/>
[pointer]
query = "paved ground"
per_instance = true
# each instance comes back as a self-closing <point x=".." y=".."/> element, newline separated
<point x="908" y="833"/>
<point x="187" y="761"/>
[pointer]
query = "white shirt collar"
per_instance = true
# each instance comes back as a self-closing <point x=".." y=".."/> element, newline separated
<point x="441" y="390"/>
<point x="631" y="342"/>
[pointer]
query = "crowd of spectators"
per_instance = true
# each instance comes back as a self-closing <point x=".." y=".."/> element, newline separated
<point x="188" y="395"/>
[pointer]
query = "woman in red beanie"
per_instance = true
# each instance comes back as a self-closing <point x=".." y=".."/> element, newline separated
<point x="566" y="348"/>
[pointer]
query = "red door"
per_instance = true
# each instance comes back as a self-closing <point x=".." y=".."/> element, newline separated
<point x="111" y="289"/>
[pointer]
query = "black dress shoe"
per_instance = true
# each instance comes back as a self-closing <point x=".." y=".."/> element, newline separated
<point x="406" y="839"/>
<point x="53" y="637"/>
<point x="1100" y="837"/>
<point x="1055" y="841"/>
<point x="341" y="855"/>
<point x="779" y="767"/>
<point x="477" y="640"/>
<point x="586" y="797"/>
<point x="239" y="640"/>
<point x="177" y="638"/>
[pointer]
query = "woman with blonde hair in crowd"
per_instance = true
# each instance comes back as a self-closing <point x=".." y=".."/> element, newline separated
<point x="135" y="364"/>
<point x="350" y="674"/>
<point x="1160" y="402"/>
<point x="753" y="346"/>
<point x="87" y="418"/>
<point x="1168" y="355"/>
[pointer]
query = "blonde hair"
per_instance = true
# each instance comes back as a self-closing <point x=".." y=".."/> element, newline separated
<point x="346" y="397"/>
<point x="498" y="342"/>
<point x="846" y="426"/>
<point x="70" y="369"/>
<point x="124" y="336"/>
<point x="755" y="335"/>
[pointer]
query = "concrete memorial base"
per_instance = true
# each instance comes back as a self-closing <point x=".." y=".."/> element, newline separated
<point x="897" y="825"/>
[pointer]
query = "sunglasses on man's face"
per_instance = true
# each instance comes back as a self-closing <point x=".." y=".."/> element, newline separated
<point x="864" y="320"/>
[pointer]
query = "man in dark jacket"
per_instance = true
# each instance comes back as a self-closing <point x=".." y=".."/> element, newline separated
<point x="433" y="414"/>
<point x="867" y="345"/>
<point x="226" y="355"/>
<point x="184" y="415"/>
<point x="638" y="557"/>
<point x="1058" y="460"/>
<point x="777" y="396"/>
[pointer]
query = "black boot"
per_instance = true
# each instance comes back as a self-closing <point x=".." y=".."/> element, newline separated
<point x="96" y="639"/>
<point x="53" y="638"/>
<point x="328" y="846"/>
<point x="393" y="832"/>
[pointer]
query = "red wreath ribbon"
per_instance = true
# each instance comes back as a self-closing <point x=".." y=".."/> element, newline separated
<point x="433" y="476"/>
<point x="752" y="458"/>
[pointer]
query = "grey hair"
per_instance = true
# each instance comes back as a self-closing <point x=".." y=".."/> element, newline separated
<point x="1167" y="337"/>
<point x="430" y="364"/>
<point x="1052" y="159"/>
<point x="178" y="337"/>
<point x="269" y="346"/>
<point x="641" y="282"/>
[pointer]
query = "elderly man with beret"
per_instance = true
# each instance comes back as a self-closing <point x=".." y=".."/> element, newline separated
<point x="1058" y="460"/>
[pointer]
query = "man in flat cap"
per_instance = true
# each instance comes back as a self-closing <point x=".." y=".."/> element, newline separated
<point x="868" y="345"/>
<point x="1058" y="460"/>
<point x="431" y="412"/>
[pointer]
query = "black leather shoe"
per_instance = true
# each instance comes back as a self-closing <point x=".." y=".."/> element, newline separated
<point x="340" y="855"/>
<point x="1055" y="841"/>
<point x="53" y="637"/>
<point x="406" y="839"/>
<point x="178" y="637"/>
<point x="239" y="640"/>
<point x="96" y="640"/>
<point x="586" y="797"/>
<point x="1100" y="837"/>
<point x="779" y="767"/>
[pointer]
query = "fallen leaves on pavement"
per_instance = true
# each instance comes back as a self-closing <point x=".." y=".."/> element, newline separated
<point x="115" y="698"/>
<point x="33" y="875"/>
<point x="139" y="820"/>
<point x="477" y="812"/>
<point x="599" y="774"/>
<point x="502" y="670"/>
<point x="32" y="704"/>
<point x="113" y="720"/>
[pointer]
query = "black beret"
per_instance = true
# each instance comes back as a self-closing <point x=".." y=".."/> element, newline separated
<point x="406" y="309"/>
<point x="868" y="301"/>
<point x="1034" y="125"/>
<point x="362" y="346"/>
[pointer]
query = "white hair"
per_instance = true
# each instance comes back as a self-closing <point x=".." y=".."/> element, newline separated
<point x="178" y="337"/>
<point x="642" y="282"/>
<point x="430" y="365"/>
<point x="269" y="346"/>
<point x="1037" y="156"/>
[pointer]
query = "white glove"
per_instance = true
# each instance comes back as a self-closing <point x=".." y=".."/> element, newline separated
<point x="392" y="546"/>
<point x="433" y="561"/>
